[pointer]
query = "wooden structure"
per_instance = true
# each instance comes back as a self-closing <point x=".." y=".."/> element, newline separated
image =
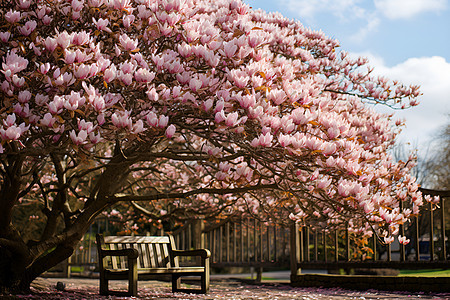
<point x="256" y="244"/>
<point x="331" y="249"/>
<point x="238" y="242"/>
<point x="136" y="258"/>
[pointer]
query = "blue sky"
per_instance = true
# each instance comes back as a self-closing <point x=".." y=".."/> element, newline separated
<point x="407" y="40"/>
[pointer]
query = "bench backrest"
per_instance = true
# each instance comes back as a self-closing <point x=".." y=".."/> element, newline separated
<point x="154" y="251"/>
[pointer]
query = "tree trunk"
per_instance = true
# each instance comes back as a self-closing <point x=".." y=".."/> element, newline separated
<point x="20" y="263"/>
<point x="14" y="259"/>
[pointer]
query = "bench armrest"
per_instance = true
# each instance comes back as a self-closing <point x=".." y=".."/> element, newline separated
<point x="204" y="253"/>
<point x="130" y="252"/>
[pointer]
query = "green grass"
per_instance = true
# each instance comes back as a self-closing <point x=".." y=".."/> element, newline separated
<point x="263" y="278"/>
<point x="76" y="269"/>
<point x="426" y="273"/>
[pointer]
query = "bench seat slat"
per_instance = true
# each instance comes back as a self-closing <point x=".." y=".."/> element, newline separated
<point x="159" y="270"/>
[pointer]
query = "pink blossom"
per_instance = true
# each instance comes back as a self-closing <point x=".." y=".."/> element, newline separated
<point x="18" y="81"/>
<point x="24" y="4"/>
<point x="388" y="240"/>
<point x="265" y="140"/>
<point x="41" y="99"/>
<point x="255" y="38"/>
<point x="82" y="71"/>
<point x="44" y="68"/>
<point x="152" y="119"/>
<point x="301" y="116"/>
<point x="13" y="16"/>
<point x="77" y="5"/>
<point x="80" y="138"/>
<point x="22" y="110"/>
<point x="102" y="24"/>
<point x="73" y="101"/>
<point x="127" y="79"/>
<point x="28" y="28"/>
<point x="220" y="117"/>
<point x="13" y="132"/>
<point x="4" y="36"/>
<point x="121" y="119"/>
<point x="170" y="131"/>
<point x="80" y="38"/>
<point x="329" y="148"/>
<point x="231" y="119"/>
<point x="208" y="104"/>
<point x="138" y="127"/>
<point x="81" y="56"/>
<point x="333" y="133"/>
<point x="110" y="74"/>
<point x="229" y="49"/>
<point x="284" y="140"/>
<point x="14" y="64"/>
<point x="195" y="84"/>
<point x="64" y="39"/>
<point x="24" y="96"/>
<point x="128" y="20"/>
<point x="120" y="4"/>
<point x="48" y="120"/>
<point x="95" y="3"/>
<point x="127" y="43"/>
<point x="403" y="240"/>
<point x="314" y="143"/>
<point x="50" y="44"/>
<point x="56" y="105"/>
<point x="47" y="20"/>
<point x="10" y="120"/>
<point x="324" y="183"/>
<point x="314" y="175"/>
<point x="163" y="121"/>
<point x="69" y="56"/>
<point x="344" y="188"/>
<point x="239" y="77"/>
<point x="247" y="101"/>
<point x="143" y="75"/>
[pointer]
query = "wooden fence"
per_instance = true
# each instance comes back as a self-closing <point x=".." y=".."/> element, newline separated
<point x="333" y="249"/>
<point x="252" y="243"/>
<point x="238" y="243"/>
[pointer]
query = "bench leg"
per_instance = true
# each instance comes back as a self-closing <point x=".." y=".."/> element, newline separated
<point x="132" y="277"/>
<point x="205" y="277"/>
<point x="176" y="283"/>
<point x="103" y="285"/>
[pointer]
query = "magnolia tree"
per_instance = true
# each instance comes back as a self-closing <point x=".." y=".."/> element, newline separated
<point x="186" y="107"/>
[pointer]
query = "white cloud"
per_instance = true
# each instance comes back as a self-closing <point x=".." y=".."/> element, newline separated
<point x="308" y="9"/>
<point x="404" y="9"/>
<point x="363" y="32"/>
<point x="424" y="121"/>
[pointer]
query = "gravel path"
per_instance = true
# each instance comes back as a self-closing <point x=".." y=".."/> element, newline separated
<point x="80" y="288"/>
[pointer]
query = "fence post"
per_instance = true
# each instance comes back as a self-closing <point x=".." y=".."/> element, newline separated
<point x="198" y="234"/>
<point x="417" y="233"/>
<point x="431" y="232"/>
<point x="444" y="250"/>
<point x="295" y="250"/>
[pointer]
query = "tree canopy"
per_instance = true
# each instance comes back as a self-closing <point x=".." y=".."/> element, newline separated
<point x="195" y="106"/>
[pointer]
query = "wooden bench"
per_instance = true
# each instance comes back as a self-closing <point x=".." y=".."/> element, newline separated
<point x="136" y="258"/>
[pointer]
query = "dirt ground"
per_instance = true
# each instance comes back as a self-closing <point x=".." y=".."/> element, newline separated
<point x="80" y="288"/>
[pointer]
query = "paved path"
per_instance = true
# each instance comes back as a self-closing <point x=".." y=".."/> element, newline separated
<point x="81" y="288"/>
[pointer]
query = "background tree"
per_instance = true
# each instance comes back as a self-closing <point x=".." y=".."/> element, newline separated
<point x="439" y="164"/>
<point x="201" y="106"/>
